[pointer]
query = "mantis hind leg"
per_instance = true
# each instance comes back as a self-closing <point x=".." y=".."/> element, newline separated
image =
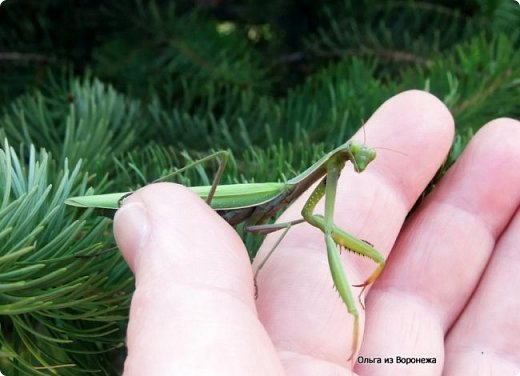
<point x="221" y="156"/>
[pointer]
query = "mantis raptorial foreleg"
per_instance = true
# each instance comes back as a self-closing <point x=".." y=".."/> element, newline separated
<point x="359" y="246"/>
<point x="335" y="236"/>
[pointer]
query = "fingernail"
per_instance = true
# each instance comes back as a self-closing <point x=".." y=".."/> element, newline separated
<point x="131" y="226"/>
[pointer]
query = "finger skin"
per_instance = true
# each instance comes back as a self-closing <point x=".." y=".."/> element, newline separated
<point x="486" y="336"/>
<point x="440" y="256"/>
<point x="193" y="310"/>
<point x="296" y="302"/>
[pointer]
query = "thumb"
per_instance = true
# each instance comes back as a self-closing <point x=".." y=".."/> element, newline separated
<point x="193" y="310"/>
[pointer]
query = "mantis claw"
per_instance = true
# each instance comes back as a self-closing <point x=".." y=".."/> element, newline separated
<point x="361" y="294"/>
<point x="369" y="281"/>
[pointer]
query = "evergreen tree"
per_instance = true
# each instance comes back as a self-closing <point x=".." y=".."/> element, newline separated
<point x="105" y="97"/>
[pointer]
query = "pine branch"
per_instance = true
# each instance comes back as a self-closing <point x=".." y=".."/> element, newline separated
<point x="75" y="120"/>
<point x="194" y="56"/>
<point x="58" y="311"/>
<point x="478" y="81"/>
<point x="395" y="32"/>
<point x="25" y="57"/>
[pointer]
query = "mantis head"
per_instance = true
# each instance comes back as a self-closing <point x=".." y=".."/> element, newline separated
<point x="361" y="155"/>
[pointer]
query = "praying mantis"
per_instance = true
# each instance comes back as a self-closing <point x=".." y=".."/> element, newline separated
<point x="254" y="204"/>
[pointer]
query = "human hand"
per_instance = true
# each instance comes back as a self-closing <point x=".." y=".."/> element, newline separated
<point x="194" y="312"/>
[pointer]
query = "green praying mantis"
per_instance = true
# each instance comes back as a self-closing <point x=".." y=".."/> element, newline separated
<point x="255" y="204"/>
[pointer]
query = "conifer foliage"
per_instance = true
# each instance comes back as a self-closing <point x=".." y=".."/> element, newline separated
<point x="100" y="96"/>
